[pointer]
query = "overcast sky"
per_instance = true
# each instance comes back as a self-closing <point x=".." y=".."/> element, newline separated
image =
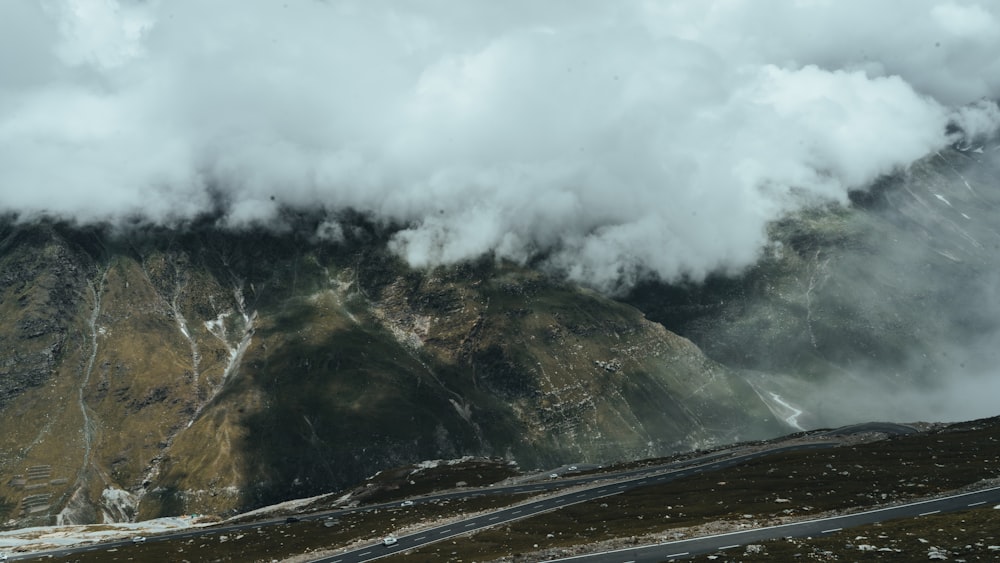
<point x="619" y="138"/>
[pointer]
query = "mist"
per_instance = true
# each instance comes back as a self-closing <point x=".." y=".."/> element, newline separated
<point x="612" y="141"/>
<point x="888" y="311"/>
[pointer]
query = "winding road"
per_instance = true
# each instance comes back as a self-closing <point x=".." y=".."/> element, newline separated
<point x="590" y="487"/>
<point x="809" y="528"/>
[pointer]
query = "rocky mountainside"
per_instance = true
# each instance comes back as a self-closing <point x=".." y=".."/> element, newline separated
<point x="147" y="372"/>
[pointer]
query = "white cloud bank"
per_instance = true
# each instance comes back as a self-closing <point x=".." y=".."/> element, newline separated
<point x="620" y="139"/>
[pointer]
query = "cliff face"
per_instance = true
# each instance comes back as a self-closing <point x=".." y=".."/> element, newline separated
<point x="155" y="372"/>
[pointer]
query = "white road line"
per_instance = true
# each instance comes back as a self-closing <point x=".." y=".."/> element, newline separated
<point x="445" y="531"/>
<point x="679" y="554"/>
<point x="978" y="503"/>
<point x="729" y="546"/>
<point x="928" y="513"/>
<point x="365" y="553"/>
<point x="420" y="538"/>
<point x="558" y="500"/>
<point x="516" y="512"/>
<point x="494" y="518"/>
<point x="470" y="524"/>
<point x="831" y="530"/>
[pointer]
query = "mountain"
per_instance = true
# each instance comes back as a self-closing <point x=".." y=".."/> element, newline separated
<point x="884" y="308"/>
<point x="152" y="370"/>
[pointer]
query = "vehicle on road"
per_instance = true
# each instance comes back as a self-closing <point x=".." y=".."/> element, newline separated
<point x="553" y="475"/>
<point x="3" y="556"/>
<point x="571" y="468"/>
<point x="138" y="539"/>
<point x="389" y="540"/>
<point x="291" y="520"/>
<point x="406" y="503"/>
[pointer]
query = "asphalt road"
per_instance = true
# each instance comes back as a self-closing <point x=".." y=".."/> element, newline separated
<point x="600" y="490"/>
<point x="622" y="482"/>
<point x="525" y="487"/>
<point x="683" y="549"/>
<point x="586" y="487"/>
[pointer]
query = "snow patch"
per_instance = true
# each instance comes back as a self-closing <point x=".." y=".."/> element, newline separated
<point x="289" y="505"/>
<point x="433" y="463"/>
<point x="791" y="419"/>
<point x="218" y="326"/>
<point x="53" y="537"/>
<point x="118" y="505"/>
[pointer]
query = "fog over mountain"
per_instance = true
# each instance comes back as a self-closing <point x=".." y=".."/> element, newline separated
<point x="615" y="141"/>
<point x="221" y="224"/>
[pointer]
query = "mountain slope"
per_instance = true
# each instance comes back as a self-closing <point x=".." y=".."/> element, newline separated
<point x="148" y="371"/>
<point x="158" y="371"/>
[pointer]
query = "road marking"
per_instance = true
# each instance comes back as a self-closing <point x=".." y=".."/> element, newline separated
<point x="420" y="538"/>
<point x="558" y="500"/>
<point x="929" y="513"/>
<point x="516" y="512"/>
<point x="494" y="518"/>
<point x="679" y="554"/>
<point x="729" y="546"/>
<point x="470" y="524"/>
<point x="831" y="530"/>
<point x="445" y="531"/>
<point x="622" y="487"/>
<point x="363" y="554"/>
<point x="978" y="503"/>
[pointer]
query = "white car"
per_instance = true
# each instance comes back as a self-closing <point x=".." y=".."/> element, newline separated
<point x="389" y="540"/>
<point x="138" y="539"/>
<point x="407" y="503"/>
<point x="3" y="556"/>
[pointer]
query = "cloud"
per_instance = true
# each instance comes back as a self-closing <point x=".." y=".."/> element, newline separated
<point x="614" y="140"/>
